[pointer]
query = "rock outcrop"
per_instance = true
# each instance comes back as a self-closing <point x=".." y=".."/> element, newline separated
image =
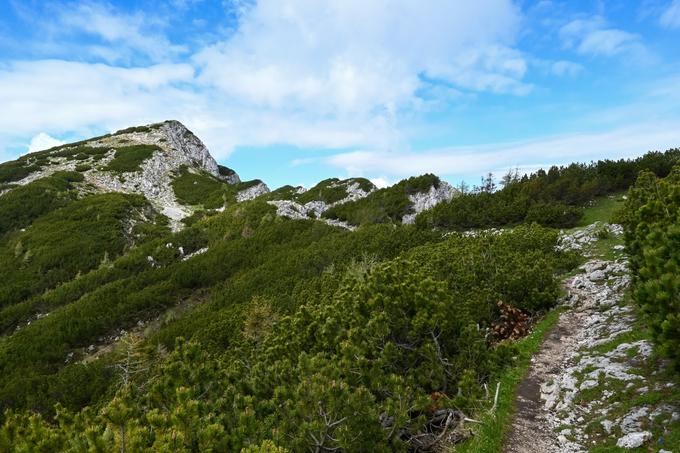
<point x="252" y="192"/>
<point x="423" y="201"/>
<point x="315" y="208"/>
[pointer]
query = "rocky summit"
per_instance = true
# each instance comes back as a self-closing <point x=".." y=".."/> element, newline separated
<point x="151" y="158"/>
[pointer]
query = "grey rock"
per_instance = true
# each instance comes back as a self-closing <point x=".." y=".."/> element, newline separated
<point x="252" y="192"/>
<point x="634" y="440"/>
<point x="423" y="201"/>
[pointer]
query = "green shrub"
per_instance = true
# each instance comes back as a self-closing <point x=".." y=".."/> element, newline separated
<point x="204" y="190"/>
<point x="130" y="130"/>
<point x="332" y="190"/>
<point x="80" y="152"/>
<point x="130" y="158"/>
<point x="553" y="198"/>
<point x="15" y="171"/>
<point x="23" y="204"/>
<point x="555" y="215"/>
<point x="653" y="243"/>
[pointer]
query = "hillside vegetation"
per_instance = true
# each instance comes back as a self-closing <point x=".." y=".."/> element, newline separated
<point x="388" y="205"/>
<point x="247" y="330"/>
<point x="555" y="198"/>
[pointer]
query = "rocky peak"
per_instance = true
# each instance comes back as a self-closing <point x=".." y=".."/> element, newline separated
<point x="186" y="145"/>
<point x="142" y="159"/>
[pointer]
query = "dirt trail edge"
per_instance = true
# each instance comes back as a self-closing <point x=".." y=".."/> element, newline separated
<point x="569" y="400"/>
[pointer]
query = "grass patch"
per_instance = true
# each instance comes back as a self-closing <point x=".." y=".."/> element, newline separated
<point x="130" y="158"/>
<point x="602" y="209"/>
<point x="490" y="433"/>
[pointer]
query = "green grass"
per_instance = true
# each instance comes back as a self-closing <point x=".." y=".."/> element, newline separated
<point x="602" y="209"/>
<point x="130" y="158"/>
<point x="489" y="435"/>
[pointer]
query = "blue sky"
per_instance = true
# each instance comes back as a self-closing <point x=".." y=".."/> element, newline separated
<point x="294" y="91"/>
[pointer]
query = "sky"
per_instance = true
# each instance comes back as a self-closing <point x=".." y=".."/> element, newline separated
<point x="295" y="91"/>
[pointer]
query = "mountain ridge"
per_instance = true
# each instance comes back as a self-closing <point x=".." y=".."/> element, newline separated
<point x="162" y="161"/>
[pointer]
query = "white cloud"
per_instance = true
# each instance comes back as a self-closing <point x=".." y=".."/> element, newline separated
<point x="593" y="37"/>
<point x="608" y="42"/>
<point x="670" y="18"/>
<point x="43" y="141"/>
<point x="477" y="160"/>
<point x="349" y="57"/>
<point x="53" y="95"/>
<point x="566" y="68"/>
<point x="381" y="183"/>
<point x="128" y="33"/>
<point x="336" y="74"/>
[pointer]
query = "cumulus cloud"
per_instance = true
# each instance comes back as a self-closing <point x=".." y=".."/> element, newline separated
<point x="43" y="141"/>
<point x="670" y="18"/>
<point x="348" y="57"/>
<point x="305" y="73"/>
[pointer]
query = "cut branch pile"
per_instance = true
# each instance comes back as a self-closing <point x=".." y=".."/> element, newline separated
<point x="513" y="325"/>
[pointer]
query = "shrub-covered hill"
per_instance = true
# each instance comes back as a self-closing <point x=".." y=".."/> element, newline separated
<point x="396" y="204"/>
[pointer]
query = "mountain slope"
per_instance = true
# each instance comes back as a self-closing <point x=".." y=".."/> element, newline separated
<point x="247" y="328"/>
<point x="141" y="160"/>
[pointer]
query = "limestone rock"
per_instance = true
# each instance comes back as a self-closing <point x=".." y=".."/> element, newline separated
<point x="423" y="201"/>
<point x="634" y="440"/>
<point x="252" y="192"/>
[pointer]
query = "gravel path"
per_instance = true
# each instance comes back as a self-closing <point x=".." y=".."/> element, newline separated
<point x="570" y="399"/>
